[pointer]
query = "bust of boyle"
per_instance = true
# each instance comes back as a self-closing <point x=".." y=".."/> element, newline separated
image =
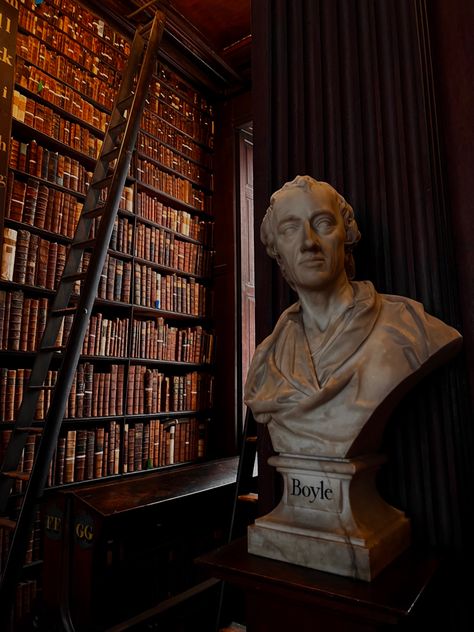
<point x="340" y="358"/>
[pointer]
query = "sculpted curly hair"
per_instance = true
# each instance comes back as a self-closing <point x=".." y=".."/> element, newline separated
<point x="267" y="234"/>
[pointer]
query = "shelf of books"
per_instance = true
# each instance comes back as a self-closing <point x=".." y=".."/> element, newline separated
<point x="143" y="391"/>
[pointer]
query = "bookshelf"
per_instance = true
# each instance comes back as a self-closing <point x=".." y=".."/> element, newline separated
<point x="143" y="392"/>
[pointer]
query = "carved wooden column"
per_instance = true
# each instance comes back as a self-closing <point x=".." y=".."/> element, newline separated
<point x="344" y="91"/>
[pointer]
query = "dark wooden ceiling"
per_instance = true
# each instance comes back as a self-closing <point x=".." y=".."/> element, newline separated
<point x="217" y="32"/>
<point x="224" y="23"/>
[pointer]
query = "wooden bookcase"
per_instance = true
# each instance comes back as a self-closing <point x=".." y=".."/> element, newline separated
<point x="142" y="398"/>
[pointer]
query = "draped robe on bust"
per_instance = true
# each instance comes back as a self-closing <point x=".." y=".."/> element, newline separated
<point x="335" y="400"/>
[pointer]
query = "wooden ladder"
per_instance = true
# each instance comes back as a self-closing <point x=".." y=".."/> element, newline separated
<point x="110" y="172"/>
<point x="245" y="496"/>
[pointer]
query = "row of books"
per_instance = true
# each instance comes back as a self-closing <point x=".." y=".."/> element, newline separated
<point x="45" y="120"/>
<point x="36" y="204"/>
<point x="122" y="234"/>
<point x="162" y="247"/>
<point x="107" y="450"/>
<point x="62" y="33"/>
<point x="22" y="321"/>
<point x="180" y="188"/>
<point x="176" y="100"/>
<point x="33" y="548"/>
<point x="33" y="545"/>
<point x="33" y="159"/>
<point x="94" y="392"/>
<point x="156" y="340"/>
<point x="61" y="42"/>
<point x="176" y="83"/>
<point x="152" y="209"/>
<point x="100" y="393"/>
<point x="154" y="149"/>
<point x="59" y="94"/>
<point x="152" y="391"/>
<point x="180" y="107"/>
<point x="25" y="465"/>
<point x="104" y="336"/>
<point x="83" y="81"/>
<point x="86" y="454"/>
<point x="115" y="280"/>
<point x="87" y="19"/>
<point x="197" y="127"/>
<point x="12" y="383"/>
<point x="157" y="443"/>
<point x="36" y="160"/>
<point x="169" y="292"/>
<point x="29" y="259"/>
<point x="166" y="133"/>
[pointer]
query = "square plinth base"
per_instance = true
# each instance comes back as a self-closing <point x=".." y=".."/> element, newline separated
<point x="329" y="554"/>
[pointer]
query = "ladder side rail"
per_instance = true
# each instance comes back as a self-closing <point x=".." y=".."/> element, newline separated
<point x="73" y="348"/>
<point x="94" y="271"/>
<point x="64" y="291"/>
<point x="246" y="459"/>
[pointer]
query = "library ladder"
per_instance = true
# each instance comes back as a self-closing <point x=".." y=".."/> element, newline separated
<point x="245" y="490"/>
<point x="110" y="173"/>
<point x="244" y="509"/>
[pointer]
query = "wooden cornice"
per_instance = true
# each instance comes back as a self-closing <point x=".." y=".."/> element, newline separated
<point x="183" y="45"/>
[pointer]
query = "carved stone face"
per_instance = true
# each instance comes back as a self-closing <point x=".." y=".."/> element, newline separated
<point x="309" y="238"/>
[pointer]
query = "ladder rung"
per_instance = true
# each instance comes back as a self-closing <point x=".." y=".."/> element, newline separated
<point x="41" y="387"/>
<point x="64" y="311"/>
<point x="248" y="498"/>
<point x="52" y="348"/>
<point x="101" y="184"/>
<point x="110" y="155"/>
<point x="86" y="243"/>
<point x="119" y="127"/>
<point x="140" y="9"/>
<point x="30" y="429"/>
<point x="124" y="104"/>
<point x="251" y="439"/>
<point x="94" y="212"/>
<point x="7" y="523"/>
<point x="143" y="30"/>
<point x="77" y="276"/>
<point x="17" y="474"/>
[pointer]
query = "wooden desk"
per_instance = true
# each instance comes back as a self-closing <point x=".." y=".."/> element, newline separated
<point x="117" y="547"/>
<point x="282" y="597"/>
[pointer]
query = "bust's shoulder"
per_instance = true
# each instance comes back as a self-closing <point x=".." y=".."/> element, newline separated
<point x="407" y="319"/>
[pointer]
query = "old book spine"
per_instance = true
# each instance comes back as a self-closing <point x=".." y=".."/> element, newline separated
<point x="99" y="451"/>
<point x="16" y="312"/>
<point x="80" y="455"/>
<point x="90" y="450"/>
<point x="70" y="456"/>
<point x="16" y="201"/>
<point x="8" y="254"/>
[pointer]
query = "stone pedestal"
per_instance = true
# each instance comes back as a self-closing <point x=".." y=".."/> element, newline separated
<point x="331" y="518"/>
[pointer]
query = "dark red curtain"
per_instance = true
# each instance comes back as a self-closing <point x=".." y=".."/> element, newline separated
<point x="344" y="90"/>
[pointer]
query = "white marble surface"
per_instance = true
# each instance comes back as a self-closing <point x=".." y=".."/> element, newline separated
<point x="331" y="518"/>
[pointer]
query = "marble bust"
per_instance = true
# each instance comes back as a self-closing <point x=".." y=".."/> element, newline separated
<point x="337" y="361"/>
